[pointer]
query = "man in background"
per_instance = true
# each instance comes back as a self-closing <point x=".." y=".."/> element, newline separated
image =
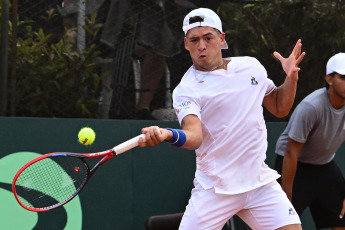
<point x="306" y="149"/>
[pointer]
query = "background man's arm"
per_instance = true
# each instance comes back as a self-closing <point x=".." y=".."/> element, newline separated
<point x="292" y="151"/>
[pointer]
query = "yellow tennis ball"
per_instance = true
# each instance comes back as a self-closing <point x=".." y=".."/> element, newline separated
<point x="86" y="136"/>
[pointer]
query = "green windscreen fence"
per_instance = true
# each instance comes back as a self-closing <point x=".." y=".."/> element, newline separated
<point x="124" y="192"/>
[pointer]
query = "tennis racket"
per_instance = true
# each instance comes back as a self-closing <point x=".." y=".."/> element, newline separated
<point x="52" y="180"/>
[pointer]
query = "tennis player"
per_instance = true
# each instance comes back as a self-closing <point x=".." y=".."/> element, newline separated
<point x="306" y="149"/>
<point x="219" y="103"/>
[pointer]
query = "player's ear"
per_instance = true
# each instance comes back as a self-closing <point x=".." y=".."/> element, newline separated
<point x="328" y="79"/>
<point x="186" y="44"/>
<point x="222" y="37"/>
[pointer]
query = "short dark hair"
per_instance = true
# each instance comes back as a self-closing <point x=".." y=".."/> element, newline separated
<point x="198" y="19"/>
<point x="195" y="19"/>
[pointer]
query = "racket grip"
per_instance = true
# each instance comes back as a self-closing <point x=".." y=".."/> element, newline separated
<point x="127" y="145"/>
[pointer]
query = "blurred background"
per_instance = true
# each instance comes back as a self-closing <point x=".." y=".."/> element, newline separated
<point x="121" y="59"/>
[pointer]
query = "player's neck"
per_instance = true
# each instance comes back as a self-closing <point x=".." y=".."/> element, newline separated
<point x="211" y="68"/>
<point x="223" y="65"/>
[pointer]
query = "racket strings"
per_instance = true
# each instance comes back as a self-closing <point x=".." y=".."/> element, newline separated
<point x="51" y="181"/>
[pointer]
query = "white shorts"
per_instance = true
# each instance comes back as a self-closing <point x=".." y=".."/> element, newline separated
<point x="264" y="208"/>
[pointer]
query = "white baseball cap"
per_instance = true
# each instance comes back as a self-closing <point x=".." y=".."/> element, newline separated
<point x="336" y="64"/>
<point x="211" y="19"/>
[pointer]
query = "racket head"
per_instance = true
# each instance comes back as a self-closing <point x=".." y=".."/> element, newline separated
<point x="50" y="181"/>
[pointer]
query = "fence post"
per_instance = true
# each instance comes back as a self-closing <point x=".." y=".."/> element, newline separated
<point x="80" y="29"/>
<point x="4" y="57"/>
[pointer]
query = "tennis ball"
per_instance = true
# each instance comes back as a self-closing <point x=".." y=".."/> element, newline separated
<point x="86" y="136"/>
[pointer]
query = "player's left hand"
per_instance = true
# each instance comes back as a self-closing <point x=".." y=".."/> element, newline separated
<point x="290" y="64"/>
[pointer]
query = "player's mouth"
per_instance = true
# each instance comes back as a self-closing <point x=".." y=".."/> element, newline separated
<point x="202" y="57"/>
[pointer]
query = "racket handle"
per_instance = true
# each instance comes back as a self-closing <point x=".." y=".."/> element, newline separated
<point x="127" y="145"/>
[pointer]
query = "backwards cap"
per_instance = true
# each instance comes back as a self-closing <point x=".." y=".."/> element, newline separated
<point x="211" y="19"/>
<point x="336" y="64"/>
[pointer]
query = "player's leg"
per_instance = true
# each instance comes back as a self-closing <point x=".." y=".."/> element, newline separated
<point x="208" y="210"/>
<point x="291" y="227"/>
<point x="269" y="208"/>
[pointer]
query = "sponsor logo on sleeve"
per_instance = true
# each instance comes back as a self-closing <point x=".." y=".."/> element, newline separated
<point x="183" y="106"/>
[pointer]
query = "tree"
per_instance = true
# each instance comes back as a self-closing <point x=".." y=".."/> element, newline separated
<point x="261" y="27"/>
<point x="53" y="79"/>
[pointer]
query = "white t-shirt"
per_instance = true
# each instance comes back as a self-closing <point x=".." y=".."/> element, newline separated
<point x="229" y="105"/>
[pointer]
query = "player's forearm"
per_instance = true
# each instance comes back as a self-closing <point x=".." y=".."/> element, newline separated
<point x="191" y="126"/>
<point x="184" y="138"/>
<point x="286" y="95"/>
<point x="194" y="140"/>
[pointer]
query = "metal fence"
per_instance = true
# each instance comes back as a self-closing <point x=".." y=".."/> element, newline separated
<point x="136" y="41"/>
<point x="136" y="48"/>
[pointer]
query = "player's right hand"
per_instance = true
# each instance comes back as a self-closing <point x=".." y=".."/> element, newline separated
<point x="154" y="135"/>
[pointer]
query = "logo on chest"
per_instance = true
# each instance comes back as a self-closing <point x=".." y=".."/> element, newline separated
<point x="253" y="81"/>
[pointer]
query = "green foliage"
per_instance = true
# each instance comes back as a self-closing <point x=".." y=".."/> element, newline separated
<point x="259" y="29"/>
<point x="53" y="79"/>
